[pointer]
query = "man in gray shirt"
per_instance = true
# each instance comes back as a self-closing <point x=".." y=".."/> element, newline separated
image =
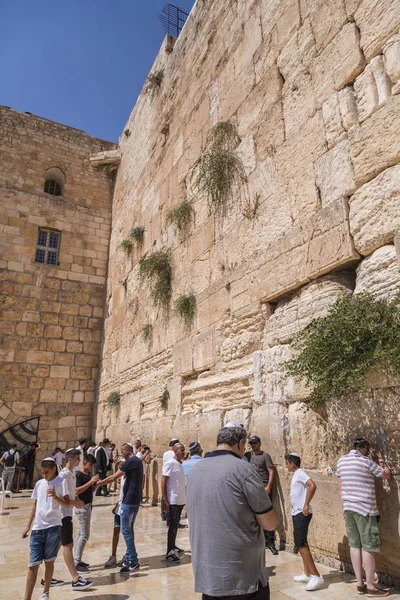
<point x="228" y="509"/>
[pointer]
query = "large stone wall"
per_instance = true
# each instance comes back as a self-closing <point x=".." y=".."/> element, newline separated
<point x="312" y="87"/>
<point x="51" y="316"/>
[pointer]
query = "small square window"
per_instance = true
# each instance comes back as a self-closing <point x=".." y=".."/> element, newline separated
<point x="48" y="246"/>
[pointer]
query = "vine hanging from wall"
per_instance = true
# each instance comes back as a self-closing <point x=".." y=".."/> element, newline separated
<point x="185" y="306"/>
<point x="219" y="170"/>
<point x="158" y="270"/>
<point x="336" y="352"/>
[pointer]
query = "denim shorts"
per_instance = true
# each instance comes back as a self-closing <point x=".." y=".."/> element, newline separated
<point x="44" y="544"/>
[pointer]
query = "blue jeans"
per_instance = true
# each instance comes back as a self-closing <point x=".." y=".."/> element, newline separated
<point x="44" y="545"/>
<point x="128" y="514"/>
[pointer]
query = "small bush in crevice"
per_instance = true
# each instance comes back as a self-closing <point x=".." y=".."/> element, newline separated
<point x="137" y="233"/>
<point x="336" y="352"/>
<point x="153" y="82"/>
<point x="219" y="170"/>
<point x="228" y="286"/>
<point x="164" y="399"/>
<point x="250" y="209"/>
<point x="127" y="246"/>
<point x="127" y="133"/>
<point x="147" y="333"/>
<point x="181" y="216"/>
<point x="157" y="268"/>
<point x="185" y="306"/>
<point x="113" y="399"/>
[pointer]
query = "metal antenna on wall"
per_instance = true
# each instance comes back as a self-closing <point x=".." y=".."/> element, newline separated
<point x="173" y="19"/>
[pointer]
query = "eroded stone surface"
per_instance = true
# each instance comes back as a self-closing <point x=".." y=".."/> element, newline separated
<point x="379" y="274"/>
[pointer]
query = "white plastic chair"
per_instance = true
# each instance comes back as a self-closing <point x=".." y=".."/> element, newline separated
<point x="2" y="494"/>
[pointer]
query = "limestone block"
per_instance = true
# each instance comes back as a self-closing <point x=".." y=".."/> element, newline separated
<point x="203" y="350"/>
<point x="209" y="425"/>
<point x="375" y="211"/>
<point x="260" y="100"/>
<point x="334" y="173"/>
<point x="391" y="53"/>
<point x="348" y="107"/>
<point x="322" y="243"/>
<point x="382" y="80"/>
<point x="333" y="120"/>
<point x="397" y="246"/>
<point x="246" y="154"/>
<point x="327" y="19"/>
<point x="375" y="144"/>
<point x="298" y="103"/>
<point x="238" y="346"/>
<point x="238" y="415"/>
<point x="183" y="357"/>
<point x="288" y="22"/>
<point x="367" y="93"/>
<point x="377" y="23"/>
<point x="338" y="64"/>
<point x="271" y="385"/>
<point x="212" y="309"/>
<point x="379" y="274"/>
<point x="310" y="302"/>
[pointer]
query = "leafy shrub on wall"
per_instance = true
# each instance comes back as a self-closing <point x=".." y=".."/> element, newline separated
<point x="336" y="352"/>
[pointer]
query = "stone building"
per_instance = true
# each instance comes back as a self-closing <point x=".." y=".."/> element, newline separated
<point x="55" y="228"/>
<point x="311" y="88"/>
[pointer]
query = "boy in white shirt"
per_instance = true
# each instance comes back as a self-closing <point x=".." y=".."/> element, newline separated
<point x="302" y="490"/>
<point x="72" y="457"/>
<point x="173" y="487"/>
<point x="50" y="493"/>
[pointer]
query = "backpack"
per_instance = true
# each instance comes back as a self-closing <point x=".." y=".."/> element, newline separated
<point x="10" y="459"/>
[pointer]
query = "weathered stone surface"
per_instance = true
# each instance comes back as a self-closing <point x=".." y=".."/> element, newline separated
<point x="367" y="93"/>
<point x="375" y="211"/>
<point x="310" y="302"/>
<point x="375" y="145"/>
<point x="377" y="22"/>
<point x="379" y="274"/>
<point x="334" y="173"/>
<point x="391" y="53"/>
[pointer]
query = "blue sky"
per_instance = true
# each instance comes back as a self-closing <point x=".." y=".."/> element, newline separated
<point x="78" y="62"/>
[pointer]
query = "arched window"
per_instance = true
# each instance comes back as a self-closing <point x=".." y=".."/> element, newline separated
<point x="54" y="182"/>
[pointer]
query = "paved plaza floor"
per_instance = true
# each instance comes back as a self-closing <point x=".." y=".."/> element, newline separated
<point x="156" y="579"/>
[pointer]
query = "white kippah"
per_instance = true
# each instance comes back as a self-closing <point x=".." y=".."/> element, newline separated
<point x="294" y="454"/>
<point x="49" y="458"/>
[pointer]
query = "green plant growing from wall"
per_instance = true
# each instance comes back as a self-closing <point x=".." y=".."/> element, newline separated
<point x="336" y="352"/>
<point x="157" y="268"/>
<point x="185" y="307"/>
<point x="228" y="286"/>
<point x="137" y="233"/>
<point x="219" y="169"/>
<point x="181" y="216"/>
<point x="164" y="399"/>
<point x="153" y="82"/>
<point x="147" y="333"/>
<point x="127" y="246"/>
<point x="113" y="399"/>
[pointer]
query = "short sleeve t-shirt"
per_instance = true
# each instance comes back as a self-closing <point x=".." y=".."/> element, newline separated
<point x="48" y="511"/>
<point x="132" y="487"/>
<point x="70" y="479"/>
<point x="167" y="456"/>
<point x="357" y="475"/>
<point x="81" y="479"/>
<point x="298" y="491"/>
<point x="224" y="495"/>
<point x="261" y="463"/>
<point x="15" y="456"/>
<point x="176" y="485"/>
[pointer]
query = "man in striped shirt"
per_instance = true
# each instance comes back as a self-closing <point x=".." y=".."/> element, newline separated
<point x="357" y="474"/>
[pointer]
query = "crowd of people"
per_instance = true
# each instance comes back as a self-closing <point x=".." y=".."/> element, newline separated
<point x="229" y="501"/>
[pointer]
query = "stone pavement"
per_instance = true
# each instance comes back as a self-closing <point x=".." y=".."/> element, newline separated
<point x="156" y="579"/>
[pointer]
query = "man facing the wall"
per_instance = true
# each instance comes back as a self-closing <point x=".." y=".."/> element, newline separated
<point x="356" y="473"/>
<point x="228" y="510"/>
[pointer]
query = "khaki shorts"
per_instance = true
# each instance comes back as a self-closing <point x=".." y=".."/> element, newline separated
<point x="363" y="532"/>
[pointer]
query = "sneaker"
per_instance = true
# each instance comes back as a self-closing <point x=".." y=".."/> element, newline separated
<point x="302" y="578"/>
<point x="130" y="567"/>
<point x="172" y="557"/>
<point x="181" y="526"/>
<point x="82" y="584"/>
<point x="81" y="568"/>
<point x="54" y="582"/>
<point x="121" y="562"/>
<point x="111" y="563"/>
<point x="44" y="596"/>
<point x="179" y="550"/>
<point x="361" y="589"/>
<point x="272" y="549"/>
<point x="377" y="593"/>
<point x="315" y="583"/>
<point x="85" y="564"/>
